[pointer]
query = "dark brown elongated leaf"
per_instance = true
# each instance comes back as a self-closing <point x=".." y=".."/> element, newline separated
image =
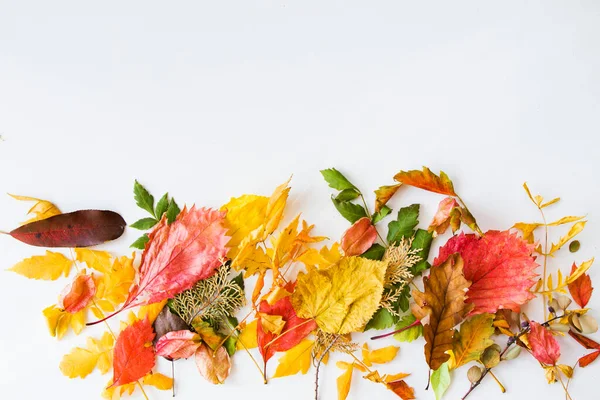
<point x="76" y="229"/>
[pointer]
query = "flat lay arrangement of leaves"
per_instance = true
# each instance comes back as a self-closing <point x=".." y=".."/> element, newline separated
<point x="181" y="291"/>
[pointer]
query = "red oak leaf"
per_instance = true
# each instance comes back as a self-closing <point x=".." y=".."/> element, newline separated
<point x="133" y="353"/>
<point x="178" y="344"/>
<point x="178" y="255"/>
<point x="77" y="295"/>
<point x="359" y="237"/>
<point x="544" y="346"/>
<point x="294" y="330"/>
<point x="500" y="266"/>
<point x="581" y="289"/>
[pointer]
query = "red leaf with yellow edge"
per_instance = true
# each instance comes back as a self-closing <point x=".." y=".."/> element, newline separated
<point x="78" y="294"/>
<point x="500" y="266"/>
<point x="581" y="289"/>
<point x="178" y="344"/>
<point x="133" y="354"/>
<point x="427" y="180"/>
<point x="544" y="346"/>
<point x="402" y="389"/>
<point x="359" y="237"/>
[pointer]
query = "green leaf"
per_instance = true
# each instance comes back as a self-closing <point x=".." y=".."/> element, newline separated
<point x="347" y="195"/>
<point x="230" y="345"/>
<point x="161" y="206"/>
<point x="403" y="226"/>
<point x="352" y="212"/>
<point x="422" y="240"/>
<point x="144" y="224"/>
<point x="375" y="252"/>
<point x="440" y="381"/>
<point x="143" y="199"/>
<point x="336" y="180"/>
<point x="239" y="280"/>
<point x="140" y="243"/>
<point x="410" y="334"/>
<point x="172" y="211"/>
<point x="381" y="214"/>
<point x="381" y="320"/>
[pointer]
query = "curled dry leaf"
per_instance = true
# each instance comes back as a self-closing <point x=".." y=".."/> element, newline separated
<point x="214" y="366"/>
<point x="544" y="346"/>
<point x="78" y="294"/>
<point x="359" y="237"/>
<point x="446" y="215"/>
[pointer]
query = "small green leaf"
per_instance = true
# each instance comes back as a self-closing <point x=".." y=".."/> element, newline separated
<point x="172" y="211"/>
<point x="230" y="345"/>
<point x="161" y="206"/>
<point x="352" y="212"/>
<point x="140" y="243"/>
<point x="239" y="280"/>
<point x="347" y="195"/>
<point x="375" y="252"/>
<point x="381" y="214"/>
<point x="144" y="224"/>
<point x="336" y="180"/>
<point x="410" y="334"/>
<point x="381" y="320"/>
<point x="440" y="381"/>
<point x="422" y="240"/>
<point x="403" y="226"/>
<point x="143" y="199"/>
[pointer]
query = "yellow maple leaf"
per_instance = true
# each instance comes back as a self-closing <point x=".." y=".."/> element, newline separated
<point x="471" y="341"/>
<point x="59" y="321"/>
<point x="297" y="359"/>
<point x="112" y="288"/>
<point x="256" y="261"/>
<point x="321" y="259"/>
<point x="379" y="356"/>
<point x="244" y="215"/>
<point x="50" y="266"/>
<point x="248" y="338"/>
<point x="342" y="298"/>
<point x="42" y="209"/>
<point x="101" y="261"/>
<point x="80" y="362"/>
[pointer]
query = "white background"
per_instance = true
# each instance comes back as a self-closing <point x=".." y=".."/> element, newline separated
<point x="209" y="101"/>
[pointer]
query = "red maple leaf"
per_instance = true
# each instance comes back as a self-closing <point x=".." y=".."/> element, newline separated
<point x="581" y="289"/>
<point x="544" y="346"/>
<point x="500" y="266"/>
<point x="133" y="353"/>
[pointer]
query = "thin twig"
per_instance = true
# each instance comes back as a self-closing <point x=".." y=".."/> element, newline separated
<point x="417" y="322"/>
<point x="319" y="365"/>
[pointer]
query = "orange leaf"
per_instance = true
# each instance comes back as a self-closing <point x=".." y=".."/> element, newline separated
<point x="402" y="389"/>
<point x="442" y="217"/>
<point x="581" y="288"/>
<point x="384" y="194"/>
<point x="133" y="354"/>
<point x="76" y="296"/>
<point x="588" y="359"/>
<point x="213" y="366"/>
<point x="427" y="180"/>
<point x="359" y="237"/>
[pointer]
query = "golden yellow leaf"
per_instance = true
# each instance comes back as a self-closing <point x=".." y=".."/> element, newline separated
<point x="275" y="207"/>
<point x="47" y="267"/>
<point x="99" y="260"/>
<point x="151" y="311"/>
<point x="537" y="201"/>
<point x="344" y="381"/>
<point x="42" y="209"/>
<point x="297" y="359"/>
<point x="80" y="362"/>
<point x="248" y="338"/>
<point x="342" y="298"/>
<point x="379" y="356"/>
<point x="574" y="231"/>
<point x="159" y="381"/>
<point x="244" y="215"/>
<point x="255" y="261"/>
<point x="527" y="230"/>
<point x="112" y="288"/>
<point x="272" y="323"/>
<point x="277" y="293"/>
<point x="473" y="338"/>
<point x="549" y="203"/>
<point x="321" y="259"/>
<point x="59" y="321"/>
<point x="395" y="377"/>
<point x="565" y="220"/>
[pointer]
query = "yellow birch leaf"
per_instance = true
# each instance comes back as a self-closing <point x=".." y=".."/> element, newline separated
<point x="159" y="381"/>
<point x="297" y="359"/>
<point x="99" y="260"/>
<point x="379" y="356"/>
<point x="342" y="298"/>
<point x="248" y="338"/>
<point x="80" y="362"/>
<point x="47" y="267"/>
<point x="574" y="231"/>
<point x="42" y="209"/>
<point x="473" y="338"/>
<point x="344" y="381"/>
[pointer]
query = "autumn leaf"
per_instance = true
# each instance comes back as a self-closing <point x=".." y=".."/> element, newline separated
<point x="500" y="266"/>
<point x="76" y="229"/>
<point x="342" y="298"/>
<point x="214" y="366"/>
<point x="442" y="305"/>
<point x="344" y="381"/>
<point x="359" y="237"/>
<point x="321" y="259"/>
<point x="384" y="194"/>
<point x="178" y="344"/>
<point x="574" y="231"/>
<point x="112" y="288"/>
<point x="244" y="215"/>
<point x="59" y="321"/>
<point x="379" y="356"/>
<point x="401" y="389"/>
<point x="167" y="321"/>
<point x="297" y="359"/>
<point x="81" y="361"/>
<point x="248" y="339"/>
<point x="427" y="180"/>
<point x="78" y="294"/>
<point x="42" y="209"/>
<point x="473" y="338"/>
<point x="101" y="261"/>
<point x="159" y="381"/>
<point x="47" y="267"/>
<point x="133" y="355"/>
<point x="440" y="380"/>
<point x="581" y="288"/>
<point x="544" y="346"/>
<point x="448" y="213"/>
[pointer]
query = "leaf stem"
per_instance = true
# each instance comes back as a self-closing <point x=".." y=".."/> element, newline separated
<point x="262" y="372"/>
<point x="173" y="376"/>
<point x="369" y="213"/>
<point x="417" y="322"/>
<point x="502" y="388"/>
<point x="545" y="297"/>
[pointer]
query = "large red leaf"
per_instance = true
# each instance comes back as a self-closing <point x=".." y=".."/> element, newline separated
<point x="544" y="346"/>
<point x="77" y="229"/>
<point x="581" y="289"/>
<point x="178" y="255"/>
<point x="133" y="354"/>
<point x="500" y="266"/>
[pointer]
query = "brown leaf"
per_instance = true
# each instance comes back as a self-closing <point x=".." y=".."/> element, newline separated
<point x="213" y="366"/>
<point x="402" y="389"/>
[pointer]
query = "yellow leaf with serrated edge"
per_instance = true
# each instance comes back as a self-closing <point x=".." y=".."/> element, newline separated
<point x="159" y="381"/>
<point x="297" y="359"/>
<point x="321" y="259"/>
<point x="112" y="288"/>
<point x="574" y="231"/>
<point x="42" y="209"/>
<point x="256" y="261"/>
<point x="99" y="260"/>
<point x="248" y="338"/>
<point x="59" y="321"/>
<point x="47" y="267"/>
<point x="527" y="230"/>
<point x="379" y="356"/>
<point x="582" y="269"/>
<point x="342" y="298"/>
<point x="473" y="338"/>
<point x="244" y="215"/>
<point x="80" y="362"/>
<point x="272" y="323"/>
<point x="344" y="381"/>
